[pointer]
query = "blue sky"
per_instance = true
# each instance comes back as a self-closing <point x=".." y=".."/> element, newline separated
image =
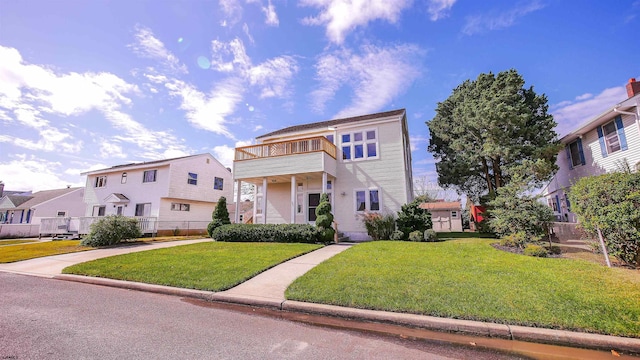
<point x="90" y="84"/>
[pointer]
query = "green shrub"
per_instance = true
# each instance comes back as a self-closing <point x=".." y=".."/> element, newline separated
<point x="610" y="202"/>
<point x="324" y="219"/>
<point x="397" y="235"/>
<point x="219" y="216"/>
<point x="430" y="235"/>
<point x="380" y="227"/>
<point x="553" y="250"/>
<point x="535" y="250"/>
<point x="416" y="236"/>
<point x="517" y="240"/>
<point x="412" y="218"/>
<point x="281" y="233"/>
<point x="111" y="230"/>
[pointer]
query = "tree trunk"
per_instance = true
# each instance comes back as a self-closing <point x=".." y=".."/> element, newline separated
<point x="485" y="167"/>
<point x="497" y="172"/>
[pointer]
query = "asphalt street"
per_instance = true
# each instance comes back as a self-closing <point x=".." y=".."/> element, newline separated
<point x="44" y="318"/>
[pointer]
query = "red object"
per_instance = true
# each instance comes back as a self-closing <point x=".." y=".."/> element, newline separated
<point x="476" y="213"/>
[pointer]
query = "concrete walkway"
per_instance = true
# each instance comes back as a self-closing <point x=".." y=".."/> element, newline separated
<point x="51" y="266"/>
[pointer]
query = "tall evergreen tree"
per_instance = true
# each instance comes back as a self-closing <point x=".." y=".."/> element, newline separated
<point x="488" y="126"/>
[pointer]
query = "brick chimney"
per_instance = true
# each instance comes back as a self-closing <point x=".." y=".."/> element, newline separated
<point x="633" y="87"/>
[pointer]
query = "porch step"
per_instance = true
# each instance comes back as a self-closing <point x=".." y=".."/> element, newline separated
<point x="342" y="237"/>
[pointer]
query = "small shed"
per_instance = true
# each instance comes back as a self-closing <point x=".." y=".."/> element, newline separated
<point x="445" y="215"/>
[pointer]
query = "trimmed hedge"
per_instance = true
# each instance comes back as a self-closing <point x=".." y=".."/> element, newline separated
<point x="281" y="233"/>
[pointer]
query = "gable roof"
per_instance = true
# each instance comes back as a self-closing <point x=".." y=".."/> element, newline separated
<point x="142" y="164"/>
<point x="328" y="123"/>
<point x="608" y="115"/>
<point x="441" y="205"/>
<point x="44" y="196"/>
<point x="13" y="201"/>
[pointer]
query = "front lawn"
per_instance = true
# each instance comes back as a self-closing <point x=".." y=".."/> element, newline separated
<point x="213" y="266"/>
<point x="30" y="251"/>
<point x="469" y="279"/>
<point x="15" y="242"/>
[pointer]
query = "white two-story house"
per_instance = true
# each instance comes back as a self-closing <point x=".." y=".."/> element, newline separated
<point x="362" y="162"/>
<point x="167" y="194"/>
<point x="605" y="143"/>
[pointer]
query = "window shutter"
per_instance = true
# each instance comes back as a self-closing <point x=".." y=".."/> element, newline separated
<point x="558" y="204"/>
<point x="568" y="150"/>
<point x="621" y="136"/>
<point x="603" y="148"/>
<point x="582" y="161"/>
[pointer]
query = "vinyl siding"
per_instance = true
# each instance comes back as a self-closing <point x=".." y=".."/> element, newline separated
<point x="179" y="188"/>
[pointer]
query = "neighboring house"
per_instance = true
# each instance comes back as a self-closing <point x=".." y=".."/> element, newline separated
<point x="21" y="213"/>
<point x="168" y="195"/>
<point x="362" y="162"/>
<point x="603" y="144"/>
<point x="31" y="208"/>
<point x="445" y="215"/>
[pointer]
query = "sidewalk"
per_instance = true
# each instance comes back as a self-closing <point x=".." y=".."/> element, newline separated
<point x="268" y="288"/>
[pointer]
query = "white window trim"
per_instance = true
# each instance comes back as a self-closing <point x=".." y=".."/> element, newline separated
<point x="192" y="180"/>
<point x="155" y="179"/>
<point x="367" y="200"/>
<point x="123" y="178"/>
<point x="214" y="183"/>
<point x="571" y="154"/>
<point x="180" y="207"/>
<point x="606" y="138"/>
<point x="100" y="184"/>
<point x="352" y="144"/>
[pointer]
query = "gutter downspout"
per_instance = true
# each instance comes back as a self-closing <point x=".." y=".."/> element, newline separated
<point x="636" y="114"/>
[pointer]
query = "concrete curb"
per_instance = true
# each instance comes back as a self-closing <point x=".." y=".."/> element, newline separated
<point x="463" y="327"/>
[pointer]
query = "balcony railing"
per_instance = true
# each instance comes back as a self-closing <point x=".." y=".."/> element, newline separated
<point x="282" y="148"/>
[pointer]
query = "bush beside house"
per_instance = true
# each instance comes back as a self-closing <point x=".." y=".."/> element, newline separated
<point x="111" y="230"/>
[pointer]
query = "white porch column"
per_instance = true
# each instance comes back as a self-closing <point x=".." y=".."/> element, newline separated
<point x="238" y="199"/>
<point x="264" y="200"/>
<point x="324" y="182"/>
<point x="293" y="199"/>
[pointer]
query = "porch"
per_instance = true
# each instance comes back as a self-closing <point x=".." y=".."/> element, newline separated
<point x="289" y="177"/>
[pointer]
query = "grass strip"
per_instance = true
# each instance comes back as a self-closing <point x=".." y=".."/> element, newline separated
<point x="212" y="266"/>
<point x="469" y="279"/>
<point x="15" y="242"/>
<point x="30" y="251"/>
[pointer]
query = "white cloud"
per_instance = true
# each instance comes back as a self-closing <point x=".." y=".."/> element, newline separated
<point x="342" y="16"/>
<point x="232" y="10"/>
<point x="148" y="46"/>
<point x="32" y="173"/>
<point x="376" y="76"/>
<point x="496" y="21"/>
<point x="439" y="9"/>
<point x="208" y="112"/>
<point x="415" y="140"/>
<point x="245" y="29"/>
<point x="271" y="17"/>
<point x="571" y="114"/>
<point x="229" y="57"/>
<point x="273" y="76"/>
<point x="226" y="154"/>
<point x="110" y="149"/>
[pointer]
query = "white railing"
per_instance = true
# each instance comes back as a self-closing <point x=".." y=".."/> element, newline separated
<point x="82" y="225"/>
<point x="57" y="225"/>
<point x="281" y="148"/>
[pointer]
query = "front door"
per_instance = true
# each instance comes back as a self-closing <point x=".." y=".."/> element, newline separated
<point x="313" y="200"/>
<point x="119" y="210"/>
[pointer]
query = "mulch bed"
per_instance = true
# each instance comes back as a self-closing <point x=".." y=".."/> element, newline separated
<point x="517" y="250"/>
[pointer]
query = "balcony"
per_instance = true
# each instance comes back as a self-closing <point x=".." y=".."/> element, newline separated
<point x="308" y="155"/>
<point x="282" y="148"/>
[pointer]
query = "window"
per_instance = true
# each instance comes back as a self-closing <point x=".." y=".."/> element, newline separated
<point x="179" y="207"/>
<point x="611" y="137"/>
<point x="143" y="209"/>
<point x="314" y="201"/>
<point x="218" y="183"/>
<point x="149" y="176"/>
<point x="123" y="179"/>
<point x="99" y="210"/>
<point x="454" y="214"/>
<point x="360" y="145"/>
<point x="101" y="181"/>
<point x="575" y="154"/>
<point x="329" y="185"/>
<point x="368" y="200"/>
<point x="192" y="179"/>
<point x="61" y="214"/>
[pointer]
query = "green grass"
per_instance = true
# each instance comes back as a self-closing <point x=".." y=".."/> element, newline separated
<point x="30" y="251"/>
<point x="469" y="279"/>
<point x="15" y="242"/>
<point x="213" y="266"/>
